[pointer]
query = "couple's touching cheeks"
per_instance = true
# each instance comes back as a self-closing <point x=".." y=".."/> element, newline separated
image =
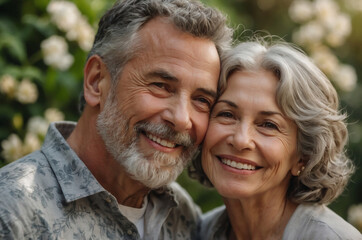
<point x="159" y="106"/>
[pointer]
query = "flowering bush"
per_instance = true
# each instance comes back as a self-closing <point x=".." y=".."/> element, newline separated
<point x="44" y="45"/>
<point x="323" y="26"/>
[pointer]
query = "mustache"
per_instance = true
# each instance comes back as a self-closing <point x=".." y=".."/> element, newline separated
<point x="166" y="132"/>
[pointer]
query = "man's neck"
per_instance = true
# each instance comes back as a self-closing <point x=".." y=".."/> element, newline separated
<point x="89" y="147"/>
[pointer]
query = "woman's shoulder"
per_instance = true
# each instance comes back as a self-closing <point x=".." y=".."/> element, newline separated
<point x="314" y="221"/>
<point x="213" y="224"/>
<point x="213" y="215"/>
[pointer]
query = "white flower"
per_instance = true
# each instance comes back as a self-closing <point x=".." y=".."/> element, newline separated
<point x="64" y="14"/>
<point x="31" y="143"/>
<point x="8" y="85"/>
<point x="12" y="148"/>
<point x="38" y="126"/>
<point x="64" y="62"/>
<point x="325" y="59"/>
<point x="53" y="115"/>
<point x="339" y="28"/>
<point x="355" y="216"/>
<point x="69" y="19"/>
<point x="27" y="92"/>
<point x="301" y="11"/>
<point x="55" y="51"/>
<point x="345" y="76"/>
<point x="83" y="33"/>
<point x="354" y="5"/>
<point x="310" y="33"/>
<point x="325" y="10"/>
<point x="54" y="45"/>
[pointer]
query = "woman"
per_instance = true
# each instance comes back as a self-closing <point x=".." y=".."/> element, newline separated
<point x="274" y="149"/>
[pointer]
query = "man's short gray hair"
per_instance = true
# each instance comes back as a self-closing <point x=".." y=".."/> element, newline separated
<point x="306" y="96"/>
<point x="116" y="39"/>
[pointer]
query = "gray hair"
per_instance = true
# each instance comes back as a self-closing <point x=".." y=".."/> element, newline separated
<point x="306" y="96"/>
<point x="116" y="41"/>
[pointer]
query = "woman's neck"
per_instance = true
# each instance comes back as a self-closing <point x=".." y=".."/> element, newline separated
<point x="259" y="219"/>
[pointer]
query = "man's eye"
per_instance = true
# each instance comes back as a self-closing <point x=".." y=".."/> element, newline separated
<point x="204" y="100"/>
<point x="159" y="85"/>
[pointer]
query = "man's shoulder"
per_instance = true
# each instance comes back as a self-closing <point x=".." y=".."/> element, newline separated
<point x="184" y="202"/>
<point x="179" y="192"/>
<point x="28" y="166"/>
<point x="22" y="180"/>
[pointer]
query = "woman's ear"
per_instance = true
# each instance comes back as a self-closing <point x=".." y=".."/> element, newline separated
<point x="96" y="81"/>
<point x="298" y="167"/>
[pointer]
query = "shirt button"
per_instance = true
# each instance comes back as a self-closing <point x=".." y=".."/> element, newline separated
<point x="129" y="232"/>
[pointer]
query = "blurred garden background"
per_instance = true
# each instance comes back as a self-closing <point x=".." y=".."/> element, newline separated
<point x="44" y="45"/>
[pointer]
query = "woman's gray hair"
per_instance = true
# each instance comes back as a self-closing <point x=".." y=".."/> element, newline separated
<point x="306" y="96"/>
<point x="116" y="41"/>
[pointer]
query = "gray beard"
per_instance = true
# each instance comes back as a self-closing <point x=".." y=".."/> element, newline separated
<point x="163" y="168"/>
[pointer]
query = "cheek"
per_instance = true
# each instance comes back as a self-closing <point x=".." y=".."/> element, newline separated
<point x="207" y="163"/>
<point x="200" y="122"/>
<point x="280" y="154"/>
<point x="142" y="106"/>
<point x="209" y="146"/>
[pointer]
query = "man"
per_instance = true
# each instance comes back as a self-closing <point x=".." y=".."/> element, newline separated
<point x="149" y="82"/>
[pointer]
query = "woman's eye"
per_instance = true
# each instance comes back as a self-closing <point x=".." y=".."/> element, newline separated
<point x="225" y="114"/>
<point x="270" y="125"/>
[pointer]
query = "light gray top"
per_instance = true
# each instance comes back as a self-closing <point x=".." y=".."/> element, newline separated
<point x="308" y="222"/>
<point x="51" y="194"/>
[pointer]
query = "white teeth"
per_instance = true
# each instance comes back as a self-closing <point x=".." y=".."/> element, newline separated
<point x="237" y="165"/>
<point x="160" y="141"/>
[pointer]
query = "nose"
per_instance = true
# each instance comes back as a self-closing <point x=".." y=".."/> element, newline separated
<point x="178" y="115"/>
<point x="242" y="138"/>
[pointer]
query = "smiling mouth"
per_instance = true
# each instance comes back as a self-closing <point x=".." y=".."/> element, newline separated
<point x="238" y="165"/>
<point x="160" y="141"/>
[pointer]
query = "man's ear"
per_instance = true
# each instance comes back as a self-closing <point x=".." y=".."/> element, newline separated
<point x="96" y="81"/>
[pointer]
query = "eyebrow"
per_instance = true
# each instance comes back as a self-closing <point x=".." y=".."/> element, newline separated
<point x="169" y="77"/>
<point x="162" y="74"/>
<point x="269" y="113"/>
<point x="266" y="113"/>
<point x="230" y="103"/>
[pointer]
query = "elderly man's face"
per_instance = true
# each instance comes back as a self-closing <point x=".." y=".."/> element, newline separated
<point x="160" y="110"/>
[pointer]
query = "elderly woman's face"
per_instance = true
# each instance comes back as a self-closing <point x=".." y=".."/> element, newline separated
<point x="250" y="146"/>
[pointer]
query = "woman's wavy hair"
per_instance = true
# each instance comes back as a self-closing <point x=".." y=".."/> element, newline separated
<point x="306" y="96"/>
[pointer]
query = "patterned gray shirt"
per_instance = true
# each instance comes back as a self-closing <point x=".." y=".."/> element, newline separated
<point x="51" y="194"/>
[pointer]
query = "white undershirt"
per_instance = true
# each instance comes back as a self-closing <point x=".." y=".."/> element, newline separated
<point x="135" y="215"/>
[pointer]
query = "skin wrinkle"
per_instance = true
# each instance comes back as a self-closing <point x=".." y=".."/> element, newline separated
<point x="136" y="87"/>
<point x="250" y="103"/>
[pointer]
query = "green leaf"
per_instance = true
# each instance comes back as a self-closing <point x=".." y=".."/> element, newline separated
<point x="3" y="1"/>
<point x="32" y="73"/>
<point x="43" y="25"/>
<point x="14" y="46"/>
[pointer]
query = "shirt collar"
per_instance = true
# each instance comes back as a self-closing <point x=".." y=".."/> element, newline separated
<point x="74" y="178"/>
